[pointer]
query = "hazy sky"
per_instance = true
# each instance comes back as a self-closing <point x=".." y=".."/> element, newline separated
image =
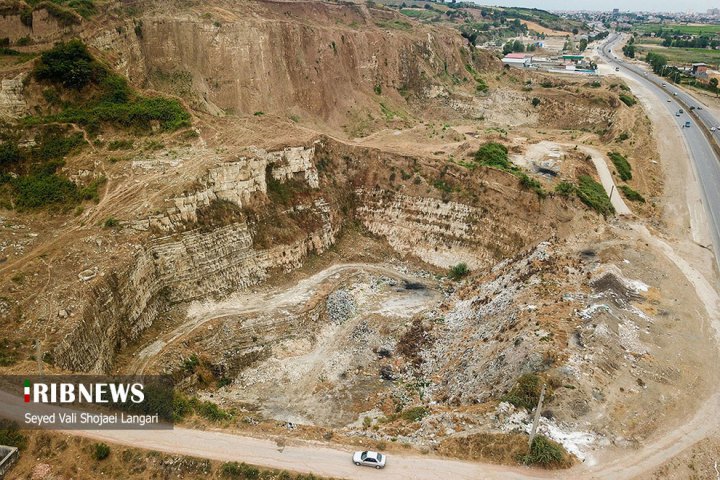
<point x="623" y="5"/>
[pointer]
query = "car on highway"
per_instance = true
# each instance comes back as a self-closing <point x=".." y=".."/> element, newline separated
<point x="712" y="129"/>
<point x="681" y="111"/>
<point x="677" y="114"/>
<point x="664" y="84"/>
<point x="617" y="69"/>
<point x="675" y="94"/>
<point x="369" y="459"/>
<point x="669" y="100"/>
<point x="687" y="124"/>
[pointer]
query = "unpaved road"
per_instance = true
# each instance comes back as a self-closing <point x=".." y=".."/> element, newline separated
<point x="296" y="296"/>
<point x="607" y="181"/>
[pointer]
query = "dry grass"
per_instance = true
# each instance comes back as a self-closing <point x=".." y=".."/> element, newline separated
<point x="499" y="448"/>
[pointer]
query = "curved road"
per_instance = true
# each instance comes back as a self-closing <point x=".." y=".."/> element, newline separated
<point x="703" y="144"/>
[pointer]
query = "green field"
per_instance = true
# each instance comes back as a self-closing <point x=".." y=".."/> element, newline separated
<point x="688" y="29"/>
<point x="420" y="14"/>
<point x="682" y="56"/>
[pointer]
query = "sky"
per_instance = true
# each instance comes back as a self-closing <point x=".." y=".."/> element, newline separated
<point x="623" y="5"/>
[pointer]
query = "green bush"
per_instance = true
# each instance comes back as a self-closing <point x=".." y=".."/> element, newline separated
<point x="526" y="392"/>
<point x="628" y="100"/>
<point x="414" y="414"/>
<point x="621" y="165"/>
<point x="458" y="271"/>
<point x="531" y="184"/>
<point x="90" y="192"/>
<point x="493" y="154"/>
<point x="111" y="222"/>
<point x="239" y="470"/>
<point x="564" y="188"/>
<point x="120" y="145"/>
<point x="9" y="154"/>
<point x="545" y="453"/>
<point x="535" y="101"/>
<point x="592" y="194"/>
<point x="10" y="435"/>
<point x="631" y="194"/>
<point x="43" y="189"/>
<point x="101" y="451"/>
<point x="69" y="64"/>
<point x="53" y="144"/>
<point x="7" y="357"/>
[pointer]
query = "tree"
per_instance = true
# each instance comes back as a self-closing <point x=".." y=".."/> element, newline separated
<point x="518" y="46"/>
<point x="575" y="31"/>
<point x="713" y="85"/>
<point x="535" y="101"/>
<point x="583" y="44"/>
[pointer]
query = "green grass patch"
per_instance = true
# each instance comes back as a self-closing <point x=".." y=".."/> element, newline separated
<point x="120" y="145"/>
<point x="631" y="194"/>
<point x="628" y="100"/>
<point x="10" y="435"/>
<point x="592" y="194"/>
<point x="682" y="56"/>
<point x="394" y="25"/>
<point x="459" y="271"/>
<point x="526" y="391"/>
<point x="564" y="188"/>
<point x="103" y="97"/>
<point x="621" y="165"/>
<point x="495" y="155"/>
<point x="546" y="453"/>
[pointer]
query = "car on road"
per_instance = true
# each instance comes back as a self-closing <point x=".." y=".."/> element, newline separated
<point x="664" y="84"/>
<point x="675" y="94"/>
<point x="712" y="129"/>
<point x="369" y="459"/>
<point x="617" y="69"/>
<point x="681" y="111"/>
<point x="692" y="107"/>
<point x="677" y="114"/>
<point x="669" y="100"/>
<point x="687" y="124"/>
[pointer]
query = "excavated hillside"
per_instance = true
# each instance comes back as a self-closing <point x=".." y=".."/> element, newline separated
<point x="326" y="215"/>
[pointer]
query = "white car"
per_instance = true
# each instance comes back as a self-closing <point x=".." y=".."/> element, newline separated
<point x="369" y="459"/>
<point x="664" y="85"/>
<point x="712" y="129"/>
<point x="669" y="100"/>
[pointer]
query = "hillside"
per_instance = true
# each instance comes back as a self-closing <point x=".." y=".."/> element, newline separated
<point x="332" y="221"/>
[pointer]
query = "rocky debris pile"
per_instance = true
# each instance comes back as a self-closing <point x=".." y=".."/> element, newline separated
<point x="340" y="306"/>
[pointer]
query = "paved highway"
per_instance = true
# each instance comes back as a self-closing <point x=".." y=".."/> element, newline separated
<point x="703" y="144"/>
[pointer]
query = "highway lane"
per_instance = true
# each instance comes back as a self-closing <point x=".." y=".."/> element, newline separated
<point x="702" y="144"/>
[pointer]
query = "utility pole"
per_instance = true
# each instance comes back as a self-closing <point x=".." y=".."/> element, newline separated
<point x="536" y="420"/>
<point x="612" y="189"/>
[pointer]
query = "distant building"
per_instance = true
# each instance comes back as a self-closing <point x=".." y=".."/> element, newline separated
<point x="700" y="70"/>
<point x="616" y="11"/>
<point x="517" y="59"/>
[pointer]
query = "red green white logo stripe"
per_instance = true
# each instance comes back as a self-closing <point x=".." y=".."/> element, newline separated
<point x="27" y="391"/>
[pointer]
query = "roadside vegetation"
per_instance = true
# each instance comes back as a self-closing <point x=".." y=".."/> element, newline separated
<point x="592" y="194"/>
<point x="621" y="165"/>
<point x="631" y="194"/>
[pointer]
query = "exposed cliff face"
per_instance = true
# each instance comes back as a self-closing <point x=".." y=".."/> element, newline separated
<point x="194" y="264"/>
<point x="337" y="182"/>
<point x="319" y="59"/>
<point x="44" y="27"/>
<point x="236" y="182"/>
<point x="444" y="233"/>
